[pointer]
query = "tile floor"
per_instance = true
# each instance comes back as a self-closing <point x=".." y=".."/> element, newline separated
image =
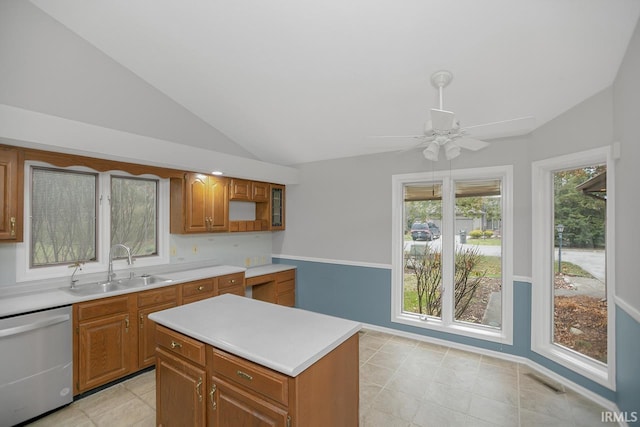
<point x="403" y="382"/>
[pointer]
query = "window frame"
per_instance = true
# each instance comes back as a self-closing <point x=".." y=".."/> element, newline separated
<point x="24" y="271"/>
<point x="543" y="260"/>
<point x="447" y="324"/>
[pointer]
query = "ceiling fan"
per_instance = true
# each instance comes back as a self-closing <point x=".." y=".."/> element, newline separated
<point x="443" y="130"/>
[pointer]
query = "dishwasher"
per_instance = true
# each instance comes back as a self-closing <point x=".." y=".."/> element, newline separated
<point x="36" y="370"/>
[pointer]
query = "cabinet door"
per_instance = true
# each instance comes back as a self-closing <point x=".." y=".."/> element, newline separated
<point x="218" y="203"/>
<point x="10" y="201"/>
<point x="259" y="191"/>
<point x="277" y="207"/>
<point x="180" y="388"/>
<point x="240" y="189"/>
<point x="231" y="407"/>
<point x="196" y="203"/>
<point x="147" y="334"/>
<point x="104" y="351"/>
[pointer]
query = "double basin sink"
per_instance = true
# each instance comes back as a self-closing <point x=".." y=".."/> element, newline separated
<point x="117" y="285"/>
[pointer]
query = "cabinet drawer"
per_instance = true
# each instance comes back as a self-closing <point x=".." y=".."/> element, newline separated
<point x="286" y="275"/>
<point x="230" y="280"/>
<point x="103" y="307"/>
<point x="288" y="286"/>
<point x="198" y="287"/>
<point x="157" y="296"/>
<point x="251" y="376"/>
<point x="177" y="343"/>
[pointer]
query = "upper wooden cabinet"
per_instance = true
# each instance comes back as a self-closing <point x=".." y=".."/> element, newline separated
<point x="248" y="191"/>
<point x="199" y="204"/>
<point x="11" y="195"/>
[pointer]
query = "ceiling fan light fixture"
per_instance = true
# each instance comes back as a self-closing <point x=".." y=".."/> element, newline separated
<point x="451" y="151"/>
<point x="431" y="152"/>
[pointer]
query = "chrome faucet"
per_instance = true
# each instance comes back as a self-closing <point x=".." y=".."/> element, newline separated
<point x="76" y="266"/>
<point x="111" y="275"/>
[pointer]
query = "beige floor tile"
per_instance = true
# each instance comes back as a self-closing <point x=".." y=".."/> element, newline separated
<point x="546" y="403"/>
<point x="459" y="378"/>
<point x="376" y="418"/>
<point x="450" y="397"/>
<point x="150" y="397"/>
<point x="397" y="403"/>
<point x="501" y="391"/>
<point x="375" y="374"/>
<point x="70" y="416"/>
<point x="105" y="400"/>
<point x="372" y="342"/>
<point x="127" y="414"/>
<point x="142" y="383"/>
<point x="430" y="414"/>
<point x="493" y="411"/>
<point x="391" y="360"/>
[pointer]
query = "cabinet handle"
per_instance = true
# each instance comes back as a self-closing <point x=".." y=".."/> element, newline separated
<point x="175" y="344"/>
<point x="244" y="375"/>
<point x="201" y="288"/>
<point x="142" y="321"/>
<point x="12" y="220"/>
<point x="198" y="389"/>
<point x="214" y="406"/>
<point x="126" y="324"/>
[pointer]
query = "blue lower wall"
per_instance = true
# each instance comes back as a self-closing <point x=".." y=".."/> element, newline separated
<point x="363" y="294"/>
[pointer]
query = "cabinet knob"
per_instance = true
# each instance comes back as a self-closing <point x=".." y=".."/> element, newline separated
<point x="201" y="288"/>
<point x="175" y="344"/>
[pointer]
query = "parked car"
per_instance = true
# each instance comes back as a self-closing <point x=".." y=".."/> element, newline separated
<point x="435" y="230"/>
<point x="421" y="231"/>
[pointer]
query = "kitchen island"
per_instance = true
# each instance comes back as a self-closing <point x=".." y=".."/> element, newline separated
<point x="229" y="361"/>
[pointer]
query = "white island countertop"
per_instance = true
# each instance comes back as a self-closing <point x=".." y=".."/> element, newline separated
<point x="287" y="340"/>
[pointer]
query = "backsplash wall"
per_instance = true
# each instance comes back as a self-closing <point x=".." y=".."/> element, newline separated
<point x="239" y="249"/>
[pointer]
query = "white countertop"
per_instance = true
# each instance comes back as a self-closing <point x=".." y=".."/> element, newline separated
<point x="287" y="340"/>
<point x="57" y="296"/>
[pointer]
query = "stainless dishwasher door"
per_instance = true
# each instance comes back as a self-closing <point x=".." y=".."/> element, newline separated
<point x="36" y="369"/>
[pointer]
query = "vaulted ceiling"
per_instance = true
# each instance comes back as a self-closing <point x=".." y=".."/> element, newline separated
<point x="294" y="81"/>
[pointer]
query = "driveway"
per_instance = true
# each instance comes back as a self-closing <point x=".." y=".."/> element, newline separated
<point x="592" y="261"/>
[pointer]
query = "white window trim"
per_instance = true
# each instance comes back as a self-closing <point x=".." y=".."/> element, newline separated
<point x="446" y="324"/>
<point x="25" y="273"/>
<point x="542" y="261"/>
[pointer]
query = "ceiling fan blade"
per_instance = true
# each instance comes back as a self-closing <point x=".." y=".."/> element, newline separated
<point x="503" y="129"/>
<point x="470" y="143"/>
<point x="395" y="136"/>
<point x="441" y="119"/>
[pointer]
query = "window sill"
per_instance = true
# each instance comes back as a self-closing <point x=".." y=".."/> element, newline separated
<point x="477" y="332"/>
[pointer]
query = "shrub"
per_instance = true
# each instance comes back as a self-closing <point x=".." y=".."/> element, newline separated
<point x="488" y="234"/>
<point x="475" y="234"/>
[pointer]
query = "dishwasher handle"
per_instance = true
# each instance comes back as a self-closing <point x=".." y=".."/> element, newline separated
<point x="36" y="325"/>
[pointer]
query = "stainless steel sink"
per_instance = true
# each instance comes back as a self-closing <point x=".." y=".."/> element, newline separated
<point x="117" y="285"/>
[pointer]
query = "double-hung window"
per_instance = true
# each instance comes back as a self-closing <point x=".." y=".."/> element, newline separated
<point x="452" y="250"/>
<point x="76" y="215"/>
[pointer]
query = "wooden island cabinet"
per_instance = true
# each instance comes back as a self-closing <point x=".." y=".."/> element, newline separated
<point x="303" y="371"/>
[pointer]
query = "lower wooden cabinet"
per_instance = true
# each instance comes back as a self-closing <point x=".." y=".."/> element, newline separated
<point x="103" y="340"/>
<point x="180" y="392"/>
<point x="150" y="302"/>
<point x="231" y="407"/>
<point x="277" y="288"/>
<point x="114" y="337"/>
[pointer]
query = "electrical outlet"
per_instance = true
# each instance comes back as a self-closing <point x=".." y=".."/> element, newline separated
<point x="195" y="249"/>
<point x="174" y="251"/>
<point x="247" y="262"/>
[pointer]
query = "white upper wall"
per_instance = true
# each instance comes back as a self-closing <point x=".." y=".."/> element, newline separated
<point x="60" y="93"/>
<point x="626" y="129"/>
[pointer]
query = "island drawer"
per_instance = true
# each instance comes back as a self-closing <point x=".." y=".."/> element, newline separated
<point x="177" y="343"/>
<point x="250" y="375"/>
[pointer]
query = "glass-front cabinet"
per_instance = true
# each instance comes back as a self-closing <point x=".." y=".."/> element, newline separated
<point x="277" y="207"/>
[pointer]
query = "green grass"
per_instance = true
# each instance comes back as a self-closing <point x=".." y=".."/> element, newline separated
<point x="571" y="270"/>
<point x="487" y="242"/>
